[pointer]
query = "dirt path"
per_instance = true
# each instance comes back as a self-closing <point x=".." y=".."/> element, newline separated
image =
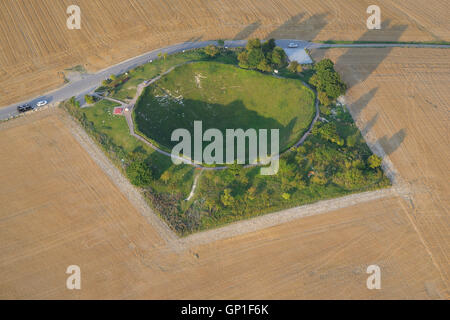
<point x="194" y="186"/>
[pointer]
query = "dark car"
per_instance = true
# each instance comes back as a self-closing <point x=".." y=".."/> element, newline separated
<point x="24" y="108"/>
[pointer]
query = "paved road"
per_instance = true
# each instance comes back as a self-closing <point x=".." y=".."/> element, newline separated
<point x="89" y="82"/>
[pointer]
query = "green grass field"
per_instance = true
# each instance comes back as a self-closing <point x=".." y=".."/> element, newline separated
<point x="223" y="96"/>
<point x="124" y="148"/>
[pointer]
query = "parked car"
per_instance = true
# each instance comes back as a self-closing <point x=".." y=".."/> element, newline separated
<point x="24" y="108"/>
<point x="41" y="103"/>
<point x="293" y="45"/>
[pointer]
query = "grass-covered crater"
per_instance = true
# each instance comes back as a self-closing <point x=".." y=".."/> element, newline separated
<point x="223" y="96"/>
<point x="333" y="161"/>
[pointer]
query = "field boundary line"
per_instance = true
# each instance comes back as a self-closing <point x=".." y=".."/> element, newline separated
<point x="131" y="193"/>
<point x="281" y="217"/>
<point x="234" y="229"/>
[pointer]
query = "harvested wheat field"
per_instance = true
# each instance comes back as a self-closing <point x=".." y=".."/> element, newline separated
<point x="400" y="98"/>
<point x="36" y="46"/>
<point x="62" y="209"/>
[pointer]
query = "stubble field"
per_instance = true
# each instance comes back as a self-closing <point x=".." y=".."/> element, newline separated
<point x="400" y="98"/>
<point x="36" y="46"/>
<point x="62" y="210"/>
<point x="59" y="208"/>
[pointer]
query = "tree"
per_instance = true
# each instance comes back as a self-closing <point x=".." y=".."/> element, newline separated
<point x="139" y="173"/>
<point x="295" y="67"/>
<point x="253" y="44"/>
<point x="374" y="161"/>
<point x="243" y="59"/>
<point x="89" y="99"/>
<point x="255" y="56"/>
<point x="327" y="80"/>
<point x="268" y="46"/>
<point x="220" y="43"/>
<point x="106" y="82"/>
<point x="113" y="77"/>
<point x="264" y="66"/>
<point x="328" y="132"/>
<point x="325" y="64"/>
<point x="227" y="199"/>
<point x="211" y="50"/>
<point x="279" y="57"/>
<point x="323" y="98"/>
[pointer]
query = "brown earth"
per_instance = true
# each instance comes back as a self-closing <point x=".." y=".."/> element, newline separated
<point x="36" y="47"/>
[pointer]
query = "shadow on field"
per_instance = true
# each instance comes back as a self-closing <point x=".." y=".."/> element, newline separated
<point x="389" y="145"/>
<point x="350" y="57"/>
<point x="247" y="31"/>
<point x="193" y="39"/>
<point x="359" y="105"/>
<point x="307" y="29"/>
<point x="293" y="28"/>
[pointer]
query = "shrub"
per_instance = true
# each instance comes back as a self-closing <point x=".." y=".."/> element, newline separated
<point x="227" y="199"/>
<point x="279" y="58"/>
<point x="374" y="161"/>
<point x="253" y="44"/>
<point x="327" y="80"/>
<point x="139" y="173"/>
<point x="295" y="67"/>
<point x="255" y="56"/>
<point x="89" y="99"/>
<point x="286" y="196"/>
<point x="264" y="66"/>
<point x="243" y="59"/>
<point x="323" y="98"/>
<point x="211" y="50"/>
<point x="319" y="179"/>
<point x="351" y="140"/>
<point x="328" y="132"/>
<point x="263" y="57"/>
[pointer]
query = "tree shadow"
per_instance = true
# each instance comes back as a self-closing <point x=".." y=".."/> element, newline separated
<point x="359" y="105"/>
<point x="293" y="21"/>
<point x="247" y="31"/>
<point x="389" y="145"/>
<point x="351" y="55"/>
<point x="369" y="125"/>
<point x="307" y="29"/>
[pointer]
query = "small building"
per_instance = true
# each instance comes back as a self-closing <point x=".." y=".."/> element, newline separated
<point x="298" y="54"/>
<point x="118" y="111"/>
